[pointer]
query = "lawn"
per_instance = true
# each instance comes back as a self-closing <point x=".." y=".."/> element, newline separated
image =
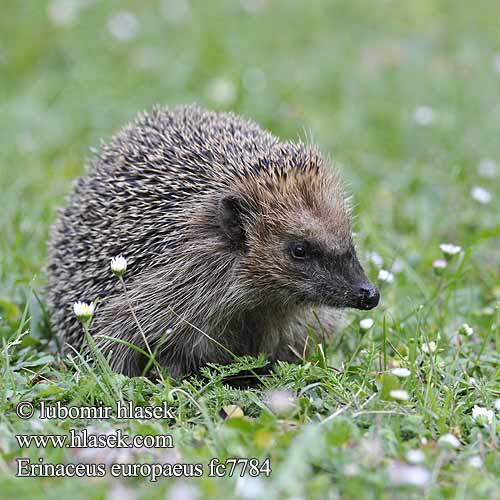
<point x="405" y="99"/>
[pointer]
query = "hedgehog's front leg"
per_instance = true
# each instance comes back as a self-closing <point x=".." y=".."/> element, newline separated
<point x="295" y="342"/>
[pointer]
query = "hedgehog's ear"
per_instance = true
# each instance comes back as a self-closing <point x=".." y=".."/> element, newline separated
<point x="230" y="217"/>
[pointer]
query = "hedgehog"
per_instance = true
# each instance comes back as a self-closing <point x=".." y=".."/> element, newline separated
<point x="236" y="241"/>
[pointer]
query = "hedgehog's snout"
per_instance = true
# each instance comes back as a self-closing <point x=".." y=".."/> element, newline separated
<point x="368" y="296"/>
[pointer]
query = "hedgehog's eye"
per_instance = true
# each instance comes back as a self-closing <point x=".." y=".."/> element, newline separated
<point x="298" y="251"/>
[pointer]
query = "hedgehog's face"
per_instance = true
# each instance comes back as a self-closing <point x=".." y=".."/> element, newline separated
<point x="324" y="274"/>
<point x="307" y="256"/>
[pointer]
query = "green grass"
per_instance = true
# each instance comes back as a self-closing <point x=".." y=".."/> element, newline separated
<point x="351" y="74"/>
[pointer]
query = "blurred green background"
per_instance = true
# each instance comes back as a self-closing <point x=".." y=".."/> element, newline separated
<point x="353" y="74"/>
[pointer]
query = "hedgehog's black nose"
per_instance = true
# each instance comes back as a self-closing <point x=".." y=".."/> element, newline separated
<point x="368" y="296"/>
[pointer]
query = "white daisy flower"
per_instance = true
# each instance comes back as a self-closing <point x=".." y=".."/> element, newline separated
<point x="376" y="259"/>
<point x="63" y="12"/>
<point x="487" y="168"/>
<point x="123" y="25"/>
<point x="401" y="372"/>
<point x="429" y="347"/>
<point x="449" y="249"/>
<point x="281" y="402"/>
<point x="83" y="311"/>
<point x="415" y="456"/>
<point x="414" y="475"/>
<point x="351" y="470"/>
<point x="466" y="329"/>
<point x="399" y="394"/>
<point x="247" y="487"/>
<point x="397" y="266"/>
<point x="449" y="441"/>
<point x="439" y="265"/>
<point x="365" y="324"/>
<point x="386" y="276"/>
<point x="424" y="115"/>
<point x="482" y="415"/>
<point x="481" y="195"/>
<point x="175" y="11"/>
<point x="476" y="461"/>
<point x="222" y="91"/>
<point x="119" y="265"/>
<point x="496" y="404"/>
<point x="181" y="490"/>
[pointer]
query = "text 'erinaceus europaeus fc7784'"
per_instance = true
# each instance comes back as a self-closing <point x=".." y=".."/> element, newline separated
<point x="233" y="238"/>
